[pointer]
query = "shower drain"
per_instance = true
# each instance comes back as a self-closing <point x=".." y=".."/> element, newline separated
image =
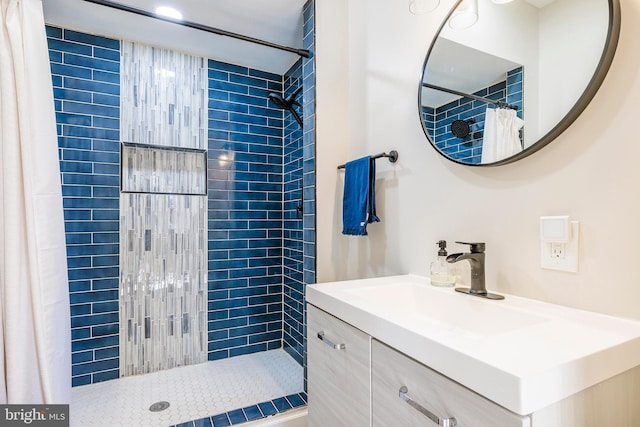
<point x="159" y="406"/>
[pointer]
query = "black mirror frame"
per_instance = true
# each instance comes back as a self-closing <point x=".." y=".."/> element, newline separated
<point x="592" y="88"/>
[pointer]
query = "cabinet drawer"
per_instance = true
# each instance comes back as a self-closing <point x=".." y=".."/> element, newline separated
<point x="337" y="371"/>
<point x="428" y="390"/>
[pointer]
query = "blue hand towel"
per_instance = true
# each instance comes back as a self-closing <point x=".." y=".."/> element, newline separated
<point x="359" y="198"/>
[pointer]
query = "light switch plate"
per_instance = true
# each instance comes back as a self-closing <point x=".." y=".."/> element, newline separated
<point x="562" y="259"/>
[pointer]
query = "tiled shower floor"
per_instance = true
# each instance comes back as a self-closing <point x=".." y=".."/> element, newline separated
<point x="194" y="392"/>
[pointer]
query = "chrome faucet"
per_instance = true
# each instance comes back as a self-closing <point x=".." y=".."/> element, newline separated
<point x="476" y="259"/>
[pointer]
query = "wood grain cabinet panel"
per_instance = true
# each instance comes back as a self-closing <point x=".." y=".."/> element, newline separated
<point x="338" y="378"/>
<point x="429" y="393"/>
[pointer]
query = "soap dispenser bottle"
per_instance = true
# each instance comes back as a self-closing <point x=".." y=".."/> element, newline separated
<point x="442" y="273"/>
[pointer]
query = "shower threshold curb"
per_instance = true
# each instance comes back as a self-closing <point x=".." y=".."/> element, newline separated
<point x="250" y="413"/>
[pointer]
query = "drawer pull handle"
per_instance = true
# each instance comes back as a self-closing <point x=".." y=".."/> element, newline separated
<point x="330" y="343"/>
<point x="444" y="422"/>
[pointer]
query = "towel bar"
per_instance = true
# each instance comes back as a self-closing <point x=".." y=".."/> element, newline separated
<point x="393" y="157"/>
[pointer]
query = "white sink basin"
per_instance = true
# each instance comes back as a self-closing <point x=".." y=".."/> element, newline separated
<point x="520" y="353"/>
<point x="447" y="309"/>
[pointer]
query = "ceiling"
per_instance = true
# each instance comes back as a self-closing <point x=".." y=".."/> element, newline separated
<point x="276" y="21"/>
<point x="456" y="66"/>
<point x="462" y="68"/>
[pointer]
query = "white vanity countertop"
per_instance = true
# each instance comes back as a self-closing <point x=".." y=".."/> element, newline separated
<point x="521" y="353"/>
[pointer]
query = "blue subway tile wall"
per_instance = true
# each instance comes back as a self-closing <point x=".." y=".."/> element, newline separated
<point x="308" y="166"/>
<point x="246" y="196"/>
<point x="469" y="149"/>
<point x="293" y="211"/>
<point x="250" y="413"/>
<point x="245" y="211"/>
<point x="86" y="81"/>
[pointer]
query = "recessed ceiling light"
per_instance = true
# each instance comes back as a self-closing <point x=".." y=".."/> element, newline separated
<point x="169" y="12"/>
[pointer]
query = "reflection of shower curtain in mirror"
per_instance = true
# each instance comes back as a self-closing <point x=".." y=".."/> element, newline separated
<point x="501" y="137"/>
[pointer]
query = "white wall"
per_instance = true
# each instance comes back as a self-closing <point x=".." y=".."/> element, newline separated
<point x="509" y="31"/>
<point x="369" y="57"/>
<point x="568" y="53"/>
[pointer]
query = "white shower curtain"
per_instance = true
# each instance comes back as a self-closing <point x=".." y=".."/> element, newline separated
<point x="501" y="134"/>
<point x="35" y="359"/>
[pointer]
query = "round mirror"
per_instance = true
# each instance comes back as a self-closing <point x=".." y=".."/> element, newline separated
<point x="503" y="79"/>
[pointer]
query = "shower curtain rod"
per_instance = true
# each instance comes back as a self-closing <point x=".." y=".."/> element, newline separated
<point x="500" y="104"/>
<point x="301" y="52"/>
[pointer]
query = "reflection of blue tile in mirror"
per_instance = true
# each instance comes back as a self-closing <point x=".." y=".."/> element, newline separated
<point x="469" y="149"/>
<point x="515" y="89"/>
<point x="161" y="170"/>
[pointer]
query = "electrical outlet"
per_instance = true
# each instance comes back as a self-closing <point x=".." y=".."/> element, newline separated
<point x="557" y="250"/>
<point x="562" y="256"/>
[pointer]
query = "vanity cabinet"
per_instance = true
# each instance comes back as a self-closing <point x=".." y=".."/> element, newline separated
<point x="347" y="370"/>
<point x="407" y="393"/>
<point x="354" y="380"/>
<point x="338" y="370"/>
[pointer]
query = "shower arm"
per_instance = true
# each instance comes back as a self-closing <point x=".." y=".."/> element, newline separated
<point x="301" y="52"/>
<point x="292" y="97"/>
<point x="296" y="116"/>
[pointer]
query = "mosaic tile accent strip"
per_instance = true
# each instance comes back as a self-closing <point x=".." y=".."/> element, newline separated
<point x="160" y="170"/>
<point x="240" y="385"/>
<point x="86" y="86"/>
<point x="163" y="292"/>
<point x="163" y="97"/>
<point x="163" y="247"/>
